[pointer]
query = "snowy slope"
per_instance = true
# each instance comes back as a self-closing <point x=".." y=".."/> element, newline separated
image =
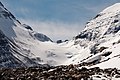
<point x="99" y="43"/>
<point x="31" y="48"/>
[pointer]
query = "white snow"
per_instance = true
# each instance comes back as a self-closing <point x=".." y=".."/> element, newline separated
<point x="113" y="8"/>
<point x="99" y="33"/>
<point x="71" y="53"/>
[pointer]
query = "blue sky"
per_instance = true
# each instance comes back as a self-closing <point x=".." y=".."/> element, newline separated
<point x="59" y="19"/>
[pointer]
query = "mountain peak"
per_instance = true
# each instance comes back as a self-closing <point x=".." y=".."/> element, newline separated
<point x="105" y="23"/>
<point x="115" y="7"/>
<point x="101" y="38"/>
<point x="16" y="39"/>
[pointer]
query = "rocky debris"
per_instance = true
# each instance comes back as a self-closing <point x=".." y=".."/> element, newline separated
<point x="116" y="42"/>
<point x="27" y="27"/>
<point x="102" y="48"/>
<point x="70" y="72"/>
<point x="107" y="53"/>
<point x="61" y="41"/>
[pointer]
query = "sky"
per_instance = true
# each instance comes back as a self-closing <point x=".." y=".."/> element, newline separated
<point x="58" y="19"/>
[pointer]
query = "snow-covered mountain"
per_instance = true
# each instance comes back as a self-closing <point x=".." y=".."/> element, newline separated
<point x="99" y="42"/>
<point x="18" y="42"/>
<point x="25" y="46"/>
<point x="97" y="45"/>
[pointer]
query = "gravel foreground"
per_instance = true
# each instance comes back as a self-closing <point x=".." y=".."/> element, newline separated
<point x="71" y="72"/>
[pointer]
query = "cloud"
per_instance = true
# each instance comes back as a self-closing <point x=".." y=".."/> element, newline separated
<point x="54" y="30"/>
<point x="23" y="11"/>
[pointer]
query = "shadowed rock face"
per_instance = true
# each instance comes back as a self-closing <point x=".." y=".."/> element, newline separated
<point x="7" y="59"/>
<point x="42" y="37"/>
<point x="8" y="52"/>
